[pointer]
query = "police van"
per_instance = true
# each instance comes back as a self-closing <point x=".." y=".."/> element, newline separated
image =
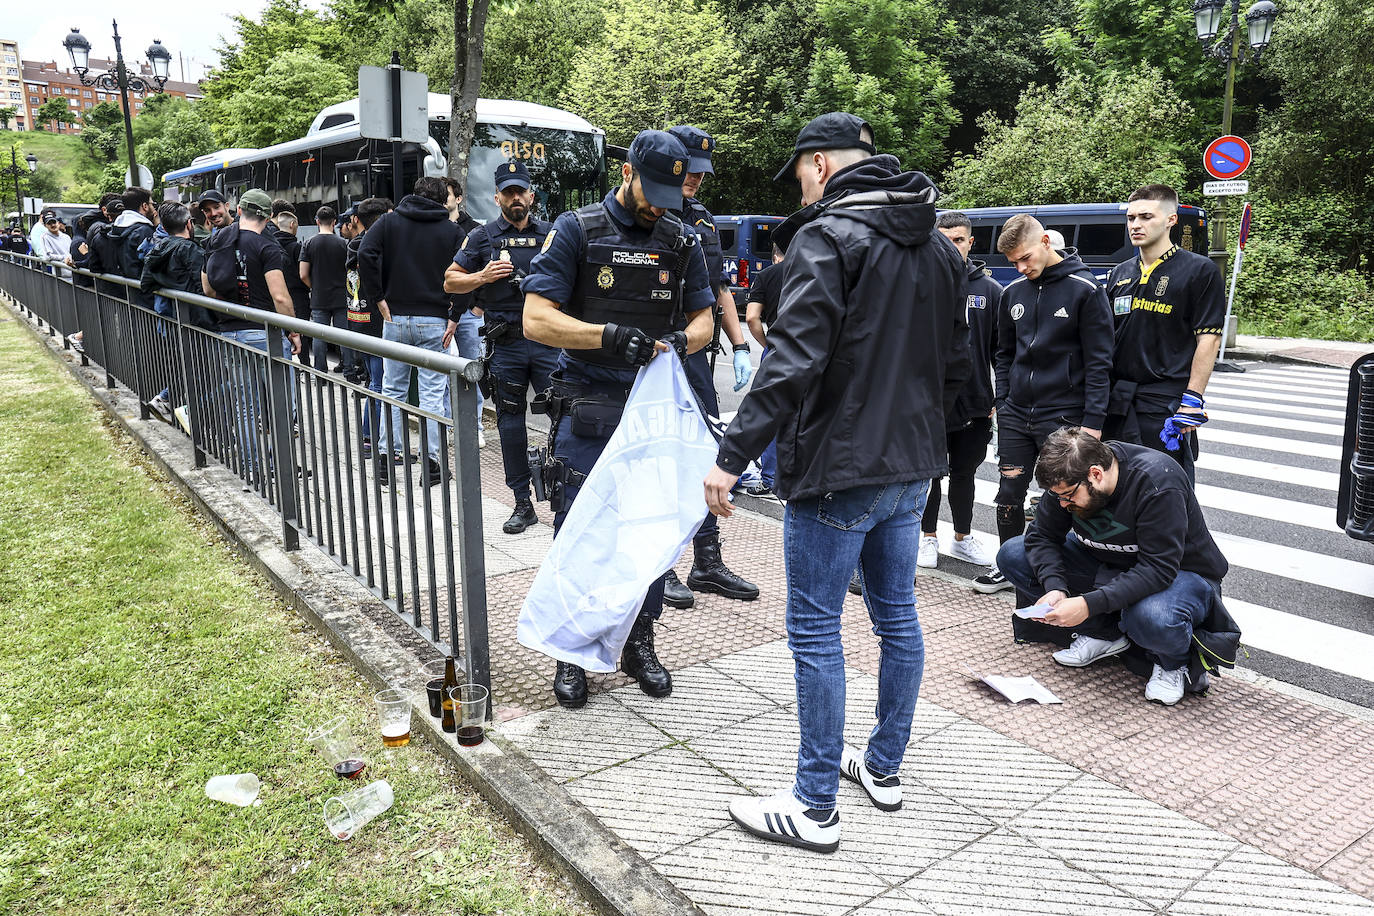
<point x="747" y="243"/>
<point x="1097" y="231"/>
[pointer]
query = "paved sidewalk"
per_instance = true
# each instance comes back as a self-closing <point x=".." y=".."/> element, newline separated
<point x="1299" y="349"/>
<point x="1247" y="801"/>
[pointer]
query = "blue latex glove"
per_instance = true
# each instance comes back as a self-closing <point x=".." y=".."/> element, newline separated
<point x="1180" y="424"/>
<point x="743" y="369"/>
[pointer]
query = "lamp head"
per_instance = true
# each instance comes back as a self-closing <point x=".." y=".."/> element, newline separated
<point x="1260" y="21"/>
<point x="1207" y="14"/>
<point x="161" y="59"/>
<point x="78" y="49"/>
<point x="32" y="160"/>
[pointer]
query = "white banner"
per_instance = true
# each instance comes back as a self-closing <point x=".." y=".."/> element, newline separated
<point x="637" y="510"/>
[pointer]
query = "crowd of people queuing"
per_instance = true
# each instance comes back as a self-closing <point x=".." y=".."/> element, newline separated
<point x="891" y="360"/>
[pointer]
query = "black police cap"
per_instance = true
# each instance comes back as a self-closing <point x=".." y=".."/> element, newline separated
<point x="699" y="145"/>
<point x="661" y="160"/>
<point x="512" y="173"/>
<point x="833" y="130"/>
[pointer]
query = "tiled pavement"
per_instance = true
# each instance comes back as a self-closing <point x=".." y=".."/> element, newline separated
<point x="1246" y="801"/>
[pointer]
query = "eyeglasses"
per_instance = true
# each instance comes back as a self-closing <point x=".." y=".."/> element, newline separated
<point x="1066" y="498"/>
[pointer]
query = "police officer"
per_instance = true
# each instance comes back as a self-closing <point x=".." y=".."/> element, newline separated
<point x="617" y="284"/>
<point x="492" y="261"/>
<point x="709" y="572"/>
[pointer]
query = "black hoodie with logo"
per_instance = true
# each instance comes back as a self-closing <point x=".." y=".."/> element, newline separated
<point x="870" y="346"/>
<point x="982" y="307"/>
<point x="405" y="253"/>
<point x="1054" y="345"/>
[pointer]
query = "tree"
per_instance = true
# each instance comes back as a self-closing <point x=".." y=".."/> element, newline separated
<point x="102" y="130"/>
<point x="280" y="104"/>
<point x="169" y="135"/>
<point x="7" y="114"/>
<point x="618" y="85"/>
<point x="54" y="110"/>
<point x="1080" y="141"/>
<point x="533" y="45"/>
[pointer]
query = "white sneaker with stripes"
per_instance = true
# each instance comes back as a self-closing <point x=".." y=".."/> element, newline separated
<point x="783" y="819"/>
<point x="886" y="794"/>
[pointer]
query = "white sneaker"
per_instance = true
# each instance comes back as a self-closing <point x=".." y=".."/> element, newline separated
<point x="970" y="550"/>
<point x="991" y="582"/>
<point x="1166" y="687"/>
<point x="782" y="819"/>
<point x="481" y="439"/>
<point x="928" y="555"/>
<point x="886" y="794"/>
<point x="1088" y="649"/>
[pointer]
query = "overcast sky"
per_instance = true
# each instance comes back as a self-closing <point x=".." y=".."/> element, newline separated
<point x="189" y="29"/>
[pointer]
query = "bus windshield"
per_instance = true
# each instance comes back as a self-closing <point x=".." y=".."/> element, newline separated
<point x="567" y="167"/>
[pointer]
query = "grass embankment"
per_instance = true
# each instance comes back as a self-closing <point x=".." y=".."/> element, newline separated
<point x="139" y="657"/>
<point x="65" y="154"/>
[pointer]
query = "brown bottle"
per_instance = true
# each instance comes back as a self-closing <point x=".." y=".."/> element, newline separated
<point x="449" y="723"/>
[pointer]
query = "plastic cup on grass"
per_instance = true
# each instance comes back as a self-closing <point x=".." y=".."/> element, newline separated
<point x="237" y="789"/>
<point x="345" y="815"/>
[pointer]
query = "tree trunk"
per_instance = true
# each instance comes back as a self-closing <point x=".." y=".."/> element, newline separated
<point x="468" y="37"/>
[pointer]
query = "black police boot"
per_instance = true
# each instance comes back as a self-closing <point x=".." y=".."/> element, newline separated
<point x="523" y="517"/>
<point x="675" y="594"/>
<point x="570" y="686"/>
<point x="710" y="574"/>
<point x="639" y="661"/>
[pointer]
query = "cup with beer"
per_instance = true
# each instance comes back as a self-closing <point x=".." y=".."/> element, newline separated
<point x="334" y="741"/>
<point x="470" y="702"/>
<point x="393" y="709"/>
<point x="433" y="674"/>
<point x="346" y="814"/>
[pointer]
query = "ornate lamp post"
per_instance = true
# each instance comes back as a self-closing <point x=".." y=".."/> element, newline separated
<point x="79" y="50"/>
<point x="1228" y="47"/>
<point x="14" y="171"/>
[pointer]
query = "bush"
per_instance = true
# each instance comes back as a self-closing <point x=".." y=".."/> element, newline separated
<point x="1286" y="291"/>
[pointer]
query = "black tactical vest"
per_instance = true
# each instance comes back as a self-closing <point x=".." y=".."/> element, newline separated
<point x="629" y="282"/>
<point x="700" y="221"/>
<point x="503" y="298"/>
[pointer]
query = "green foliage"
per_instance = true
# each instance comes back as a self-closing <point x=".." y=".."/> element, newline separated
<point x="869" y="61"/>
<point x="1286" y="290"/>
<point x="102" y="130"/>
<point x="169" y="136"/>
<point x="7" y="114"/>
<point x="280" y="104"/>
<point x="63" y="164"/>
<point x="54" y="110"/>
<point x="665" y="88"/>
<point x="1071" y="144"/>
<point x="533" y="45"/>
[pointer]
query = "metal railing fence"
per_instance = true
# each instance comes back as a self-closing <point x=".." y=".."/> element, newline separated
<point x="302" y="438"/>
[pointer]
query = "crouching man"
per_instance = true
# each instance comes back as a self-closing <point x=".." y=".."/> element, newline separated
<point x="1120" y="551"/>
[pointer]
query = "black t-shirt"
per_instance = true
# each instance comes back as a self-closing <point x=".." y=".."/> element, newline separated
<point x="1150" y="528"/>
<point x="327" y="255"/>
<point x="363" y="316"/>
<point x="260" y="256"/>
<point x="1159" y="310"/>
<point x="767" y="289"/>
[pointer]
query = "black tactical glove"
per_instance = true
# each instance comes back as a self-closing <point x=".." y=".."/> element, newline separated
<point x="630" y="344"/>
<point x="678" y="341"/>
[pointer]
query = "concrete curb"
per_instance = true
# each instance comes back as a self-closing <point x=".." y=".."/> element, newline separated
<point x="615" y="878"/>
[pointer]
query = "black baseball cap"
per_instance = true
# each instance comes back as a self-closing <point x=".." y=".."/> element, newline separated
<point x="699" y="146"/>
<point x="833" y="130"/>
<point x="512" y="173"/>
<point x="49" y="216"/>
<point x="348" y="214"/>
<point x="210" y="197"/>
<point x="661" y="161"/>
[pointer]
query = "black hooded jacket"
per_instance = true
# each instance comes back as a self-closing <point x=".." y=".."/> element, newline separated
<point x="870" y="346"/>
<point x="300" y="293"/>
<point x="1054" y="345"/>
<point x="404" y="256"/>
<point x="982" y="308"/>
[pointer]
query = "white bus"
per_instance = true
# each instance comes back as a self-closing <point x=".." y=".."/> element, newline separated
<point x="334" y="164"/>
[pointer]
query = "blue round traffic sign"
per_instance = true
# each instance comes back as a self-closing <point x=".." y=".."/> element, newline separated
<point x="1226" y="158"/>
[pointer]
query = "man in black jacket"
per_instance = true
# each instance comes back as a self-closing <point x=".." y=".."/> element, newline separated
<point x="863" y="371"/>
<point x="968" y="428"/>
<point x="404" y="257"/>
<point x="288" y="224"/>
<point x="1052" y="364"/>
<point x="1121" y="532"/>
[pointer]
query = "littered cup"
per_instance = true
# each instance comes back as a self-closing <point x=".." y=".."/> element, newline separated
<point x="237" y="789"/>
<point x="345" y="815"/>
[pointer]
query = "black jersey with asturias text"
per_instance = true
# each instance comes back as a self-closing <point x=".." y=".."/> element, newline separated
<point x="1159" y="310"/>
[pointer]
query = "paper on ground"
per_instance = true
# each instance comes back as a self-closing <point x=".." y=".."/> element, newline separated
<point x="1017" y="689"/>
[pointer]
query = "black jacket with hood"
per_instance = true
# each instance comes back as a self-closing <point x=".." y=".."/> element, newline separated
<point x="870" y="346"/>
<point x="300" y="293"/>
<point x="982" y="308"/>
<point x="1054" y="345"/>
<point x="175" y="263"/>
<point x="405" y="253"/>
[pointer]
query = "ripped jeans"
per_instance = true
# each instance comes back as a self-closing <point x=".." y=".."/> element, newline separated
<point x="1019" y="440"/>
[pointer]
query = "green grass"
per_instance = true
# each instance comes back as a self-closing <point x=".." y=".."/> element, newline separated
<point x="139" y="657"/>
<point x="65" y="153"/>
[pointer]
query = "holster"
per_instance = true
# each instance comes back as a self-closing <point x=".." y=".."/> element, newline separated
<point x="500" y="332"/>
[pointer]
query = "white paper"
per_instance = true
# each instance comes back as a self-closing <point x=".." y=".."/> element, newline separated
<point x="1017" y="689"/>
<point x="1036" y="612"/>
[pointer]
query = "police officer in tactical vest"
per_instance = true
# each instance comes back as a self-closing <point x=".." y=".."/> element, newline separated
<point x="492" y="262"/>
<point x="617" y="284"/>
<point x="709" y="572"/>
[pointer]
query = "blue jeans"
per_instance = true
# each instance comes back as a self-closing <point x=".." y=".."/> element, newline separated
<point x="337" y="318"/>
<point x="246" y="381"/>
<point x="768" y="461"/>
<point x="876" y="528"/>
<point x="375" y="369"/>
<point x="418" y="331"/>
<point x="1161" y="624"/>
<point x="469" y="347"/>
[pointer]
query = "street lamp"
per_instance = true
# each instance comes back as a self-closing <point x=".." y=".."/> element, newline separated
<point x="14" y="171"/>
<point x="1228" y="46"/>
<point x="79" y="50"/>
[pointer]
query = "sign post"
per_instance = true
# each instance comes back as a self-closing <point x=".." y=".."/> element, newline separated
<point x="1222" y="365"/>
<point x="393" y="104"/>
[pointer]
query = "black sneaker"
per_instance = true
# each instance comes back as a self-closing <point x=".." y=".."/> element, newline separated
<point x="522" y="518"/>
<point x="434" y="472"/>
<point x="760" y="491"/>
<point x="855" y="587"/>
<point x="991" y="582"/>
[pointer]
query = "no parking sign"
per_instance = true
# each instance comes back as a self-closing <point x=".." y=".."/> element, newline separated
<point x="1226" y="158"/>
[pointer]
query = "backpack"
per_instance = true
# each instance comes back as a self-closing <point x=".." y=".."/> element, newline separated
<point x="226" y="270"/>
